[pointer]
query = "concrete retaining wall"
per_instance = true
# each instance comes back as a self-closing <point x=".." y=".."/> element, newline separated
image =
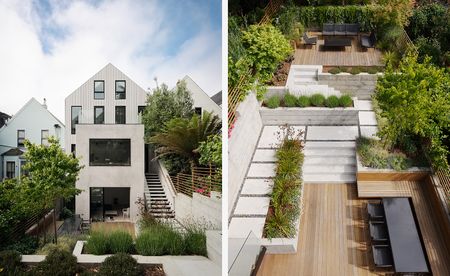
<point x="199" y="209"/>
<point x="361" y="86"/>
<point x="241" y="145"/>
<point x="309" y="116"/>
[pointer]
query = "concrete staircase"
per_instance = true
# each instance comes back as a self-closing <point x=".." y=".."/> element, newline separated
<point x="157" y="201"/>
<point x="302" y="80"/>
<point x="329" y="162"/>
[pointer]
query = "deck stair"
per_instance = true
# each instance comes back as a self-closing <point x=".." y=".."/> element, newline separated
<point x="157" y="202"/>
<point x="303" y="80"/>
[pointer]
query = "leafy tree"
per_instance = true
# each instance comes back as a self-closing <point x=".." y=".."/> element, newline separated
<point x="211" y="151"/>
<point x="393" y="12"/>
<point x="182" y="137"/>
<point x="414" y="100"/>
<point x="165" y="104"/>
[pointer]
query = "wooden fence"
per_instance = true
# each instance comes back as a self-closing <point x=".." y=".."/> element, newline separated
<point x="201" y="180"/>
<point x="444" y="182"/>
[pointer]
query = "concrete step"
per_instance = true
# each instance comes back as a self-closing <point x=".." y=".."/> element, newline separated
<point x="329" y="152"/>
<point x="328" y="169"/>
<point x="329" y="178"/>
<point x="326" y="144"/>
<point x="329" y="160"/>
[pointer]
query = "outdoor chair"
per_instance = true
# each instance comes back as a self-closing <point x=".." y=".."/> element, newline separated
<point x="382" y="256"/>
<point x="378" y="232"/>
<point x="126" y="212"/>
<point x="339" y="29"/>
<point x="368" y="41"/>
<point x="309" y="40"/>
<point x="328" y="29"/>
<point x="351" y="29"/>
<point x="85" y="226"/>
<point x="376" y="212"/>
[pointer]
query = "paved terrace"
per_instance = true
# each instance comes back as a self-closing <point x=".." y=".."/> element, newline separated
<point x="351" y="56"/>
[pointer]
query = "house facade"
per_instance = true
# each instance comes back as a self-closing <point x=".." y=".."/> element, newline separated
<point x="202" y="102"/>
<point x="32" y="122"/>
<point x="105" y="132"/>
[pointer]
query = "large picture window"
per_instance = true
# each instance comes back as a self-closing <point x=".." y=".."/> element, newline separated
<point x="99" y="90"/>
<point x="109" y="152"/>
<point x="120" y="89"/>
<point x="75" y="113"/>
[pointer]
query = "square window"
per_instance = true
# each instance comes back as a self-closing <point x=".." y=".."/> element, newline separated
<point x="99" y="90"/>
<point x="120" y="89"/>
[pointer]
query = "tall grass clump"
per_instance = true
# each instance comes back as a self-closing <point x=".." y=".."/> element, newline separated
<point x="121" y="264"/>
<point x="332" y="101"/>
<point x="345" y="101"/>
<point x="273" y="102"/>
<point x="98" y="243"/>
<point x="284" y="206"/>
<point x="303" y="101"/>
<point x="120" y="242"/>
<point x="158" y="240"/>
<point x="195" y="241"/>
<point x="317" y="99"/>
<point x="290" y="100"/>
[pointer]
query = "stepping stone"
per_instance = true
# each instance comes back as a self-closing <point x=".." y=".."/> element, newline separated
<point x="241" y="227"/>
<point x="271" y="135"/>
<point x="369" y="131"/>
<point x="323" y="133"/>
<point x="257" y="187"/>
<point x="261" y="170"/>
<point x="252" y="206"/>
<point x="264" y="155"/>
<point x="367" y="118"/>
<point x="364" y="105"/>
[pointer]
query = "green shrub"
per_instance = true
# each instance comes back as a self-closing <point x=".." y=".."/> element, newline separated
<point x="303" y="101"/>
<point x="345" y="101"/>
<point x="332" y="101"/>
<point x="372" y="70"/>
<point x="290" y="100"/>
<point x="195" y="241"/>
<point x="120" y="264"/>
<point x="317" y="99"/>
<point x="371" y="154"/>
<point x="65" y="213"/>
<point x="159" y="240"/>
<point x="57" y="263"/>
<point x="98" y="243"/>
<point x="120" y="242"/>
<point x="65" y="242"/>
<point x="355" y="71"/>
<point x="398" y="161"/>
<point x="26" y="245"/>
<point x="334" y="70"/>
<point x="273" y="102"/>
<point x="10" y="263"/>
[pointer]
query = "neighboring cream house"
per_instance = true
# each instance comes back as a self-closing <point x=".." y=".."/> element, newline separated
<point x="33" y="122"/>
<point x="105" y="132"/>
<point x="202" y="101"/>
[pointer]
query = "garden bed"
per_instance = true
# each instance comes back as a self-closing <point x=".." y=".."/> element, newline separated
<point x="354" y="70"/>
<point x="280" y="76"/>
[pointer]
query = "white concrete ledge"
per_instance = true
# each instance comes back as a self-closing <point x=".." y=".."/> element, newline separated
<point x="32" y="259"/>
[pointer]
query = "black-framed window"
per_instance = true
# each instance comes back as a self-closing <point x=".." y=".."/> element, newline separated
<point x="10" y="169"/>
<point x="73" y="149"/>
<point x="99" y="89"/>
<point x="44" y="137"/>
<point x="75" y="115"/>
<point x="109" y="152"/>
<point x="198" y="110"/>
<point x="23" y="172"/>
<point x="99" y="114"/>
<point x="20" y="138"/>
<point x="141" y="109"/>
<point x="121" y="87"/>
<point x="121" y="115"/>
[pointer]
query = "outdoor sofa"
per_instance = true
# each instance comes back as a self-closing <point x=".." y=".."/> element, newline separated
<point x="340" y="29"/>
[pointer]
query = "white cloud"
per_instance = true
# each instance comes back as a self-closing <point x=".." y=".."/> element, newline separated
<point x="132" y="35"/>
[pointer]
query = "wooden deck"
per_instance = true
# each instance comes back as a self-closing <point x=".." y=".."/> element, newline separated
<point x="109" y="227"/>
<point x="351" y="56"/>
<point x="334" y="238"/>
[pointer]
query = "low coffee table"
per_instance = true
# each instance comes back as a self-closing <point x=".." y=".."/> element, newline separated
<point x="337" y="41"/>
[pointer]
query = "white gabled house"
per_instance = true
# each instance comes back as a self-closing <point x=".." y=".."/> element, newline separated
<point x="202" y="101"/>
<point x="33" y="122"/>
<point x="105" y="131"/>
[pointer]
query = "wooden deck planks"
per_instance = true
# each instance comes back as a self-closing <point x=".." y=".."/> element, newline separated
<point x="352" y="56"/>
<point x="334" y="234"/>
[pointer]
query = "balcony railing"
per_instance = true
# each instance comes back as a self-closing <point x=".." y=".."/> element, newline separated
<point x="201" y="180"/>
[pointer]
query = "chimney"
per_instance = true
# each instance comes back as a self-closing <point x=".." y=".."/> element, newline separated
<point x="45" y="104"/>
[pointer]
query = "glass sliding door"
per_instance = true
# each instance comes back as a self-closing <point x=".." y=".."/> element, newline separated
<point x="97" y="204"/>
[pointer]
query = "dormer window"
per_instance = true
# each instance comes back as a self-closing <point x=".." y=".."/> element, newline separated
<point x="120" y="89"/>
<point x="99" y="90"/>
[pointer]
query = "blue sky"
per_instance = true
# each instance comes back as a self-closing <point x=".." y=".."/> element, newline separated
<point x="56" y="45"/>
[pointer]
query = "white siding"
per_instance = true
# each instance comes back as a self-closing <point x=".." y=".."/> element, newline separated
<point x="201" y="99"/>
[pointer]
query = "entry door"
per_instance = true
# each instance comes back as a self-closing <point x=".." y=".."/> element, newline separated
<point x="10" y="169"/>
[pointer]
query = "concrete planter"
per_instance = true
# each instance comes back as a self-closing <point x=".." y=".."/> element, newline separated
<point x="309" y="115"/>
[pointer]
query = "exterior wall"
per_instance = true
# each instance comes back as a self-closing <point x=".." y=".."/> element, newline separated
<point x="241" y="145"/>
<point x="110" y="176"/>
<point x="201" y="99"/>
<point x="33" y="117"/>
<point x="84" y="97"/>
<point x="16" y="160"/>
<point x="200" y="209"/>
<point x="361" y="86"/>
<point x="309" y="116"/>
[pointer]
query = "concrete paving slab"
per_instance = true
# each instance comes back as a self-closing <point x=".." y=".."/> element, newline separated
<point x="252" y="206"/>
<point x="271" y="134"/>
<point x="240" y="227"/>
<point x="364" y="105"/>
<point x="369" y="131"/>
<point x="261" y="170"/>
<point x="257" y="187"/>
<point x="367" y="118"/>
<point x="264" y="155"/>
<point x="324" y="133"/>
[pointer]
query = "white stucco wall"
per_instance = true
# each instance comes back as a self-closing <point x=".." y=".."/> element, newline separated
<point x="201" y="99"/>
<point x="32" y="117"/>
<point x="110" y="176"/>
<point x="199" y="209"/>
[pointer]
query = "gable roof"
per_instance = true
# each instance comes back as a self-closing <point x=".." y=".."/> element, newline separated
<point x="30" y="102"/>
<point x="217" y="98"/>
<point x="13" y="152"/>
